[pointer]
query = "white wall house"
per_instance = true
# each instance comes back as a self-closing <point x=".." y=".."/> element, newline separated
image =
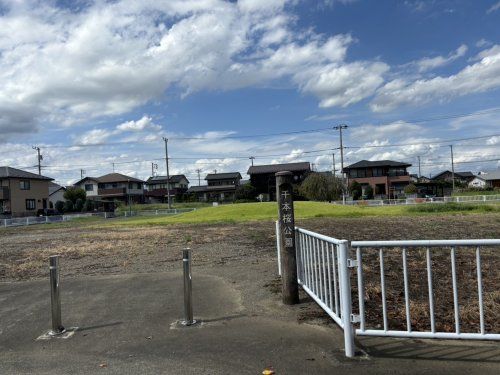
<point x="478" y="182"/>
<point x="56" y="193"/>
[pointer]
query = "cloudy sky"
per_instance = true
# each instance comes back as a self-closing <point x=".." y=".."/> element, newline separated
<point x="94" y="83"/>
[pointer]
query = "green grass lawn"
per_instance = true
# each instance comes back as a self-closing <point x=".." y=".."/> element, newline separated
<point x="268" y="211"/>
<point x="470" y="193"/>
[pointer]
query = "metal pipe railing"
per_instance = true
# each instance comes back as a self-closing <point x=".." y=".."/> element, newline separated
<point x="188" y="288"/>
<point x="55" y="296"/>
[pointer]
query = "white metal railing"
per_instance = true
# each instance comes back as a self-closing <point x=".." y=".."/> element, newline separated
<point x="430" y="246"/>
<point x="415" y="201"/>
<point x="322" y="271"/>
<point x="32" y="220"/>
<point x="172" y="211"/>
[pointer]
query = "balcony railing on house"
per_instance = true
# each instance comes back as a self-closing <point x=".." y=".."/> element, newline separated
<point x="111" y="192"/>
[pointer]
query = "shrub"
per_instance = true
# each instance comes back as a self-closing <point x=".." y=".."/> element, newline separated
<point x="246" y="192"/>
<point x="355" y="190"/>
<point x="60" y="206"/>
<point x="369" y="192"/>
<point x="321" y="187"/>
<point x="410" y="189"/>
<point x="72" y="194"/>
<point x="68" y="206"/>
<point x="88" y="206"/>
<point x="79" y="205"/>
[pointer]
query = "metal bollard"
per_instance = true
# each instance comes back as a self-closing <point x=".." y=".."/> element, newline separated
<point x="188" y="291"/>
<point x="55" y="298"/>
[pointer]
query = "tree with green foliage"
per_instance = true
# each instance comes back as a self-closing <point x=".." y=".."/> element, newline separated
<point x="369" y="192"/>
<point x="410" y="189"/>
<point x="245" y="192"/>
<point x="88" y="206"/>
<point x="68" y="206"/>
<point x="73" y="193"/>
<point x="321" y="187"/>
<point x="355" y="190"/>
<point x="60" y="206"/>
<point x="79" y="205"/>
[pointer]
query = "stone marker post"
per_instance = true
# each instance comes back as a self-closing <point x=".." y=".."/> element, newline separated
<point x="290" y="288"/>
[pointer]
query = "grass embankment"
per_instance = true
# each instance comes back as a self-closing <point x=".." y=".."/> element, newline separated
<point x="163" y="206"/>
<point x="303" y="210"/>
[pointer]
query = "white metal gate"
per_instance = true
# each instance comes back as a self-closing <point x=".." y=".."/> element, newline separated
<point x="323" y="272"/>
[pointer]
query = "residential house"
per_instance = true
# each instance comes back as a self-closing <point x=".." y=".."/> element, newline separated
<point x="460" y="177"/>
<point x="157" y="191"/>
<point x="221" y="187"/>
<point x="56" y="193"/>
<point x="22" y="193"/>
<point x="386" y="177"/>
<point x="113" y="187"/>
<point x="489" y="179"/>
<point x="263" y="178"/>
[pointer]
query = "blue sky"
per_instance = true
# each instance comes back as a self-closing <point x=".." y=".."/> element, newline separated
<point x="94" y="83"/>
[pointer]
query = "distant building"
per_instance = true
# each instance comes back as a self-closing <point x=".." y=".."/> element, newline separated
<point x="113" y="187"/>
<point x="56" y="193"/>
<point x="22" y="193"/>
<point x="460" y="177"/>
<point x="263" y="179"/>
<point x="221" y="187"/>
<point x="386" y="177"/>
<point x="489" y="179"/>
<point x="157" y="191"/>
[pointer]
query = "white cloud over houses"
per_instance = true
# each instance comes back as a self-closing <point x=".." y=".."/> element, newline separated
<point x="109" y="58"/>
<point x="480" y="76"/>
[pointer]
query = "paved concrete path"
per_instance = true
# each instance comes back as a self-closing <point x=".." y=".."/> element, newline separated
<point x="127" y="326"/>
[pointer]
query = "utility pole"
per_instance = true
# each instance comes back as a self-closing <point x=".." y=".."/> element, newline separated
<point x="252" y="158"/>
<point x="333" y="161"/>
<point x="199" y="179"/>
<point x="215" y="171"/>
<point x="82" y="172"/>
<point x="452" y="170"/>
<point x="40" y="158"/>
<point x="113" y="167"/>
<point x="419" y="170"/>
<point x="168" y="173"/>
<point x="339" y="128"/>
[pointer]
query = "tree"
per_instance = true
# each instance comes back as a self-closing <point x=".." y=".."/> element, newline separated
<point x="68" y="206"/>
<point x="59" y="206"/>
<point x="245" y="192"/>
<point x="355" y="190"/>
<point x="410" y="189"/>
<point x="321" y="187"/>
<point x="73" y="193"/>
<point x="369" y="192"/>
<point x="79" y="205"/>
<point x="88" y="205"/>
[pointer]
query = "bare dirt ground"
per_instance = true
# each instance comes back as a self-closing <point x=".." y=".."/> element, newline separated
<point x="245" y="254"/>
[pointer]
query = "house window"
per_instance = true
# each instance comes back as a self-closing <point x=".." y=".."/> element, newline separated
<point x="30" y="204"/>
<point x="24" y="184"/>
<point x="89" y="187"/>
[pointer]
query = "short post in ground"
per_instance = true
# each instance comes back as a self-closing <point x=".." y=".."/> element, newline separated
<point x="284" y="197"/>
<point x="55" y="296"/>
<point x="188" y="288"/>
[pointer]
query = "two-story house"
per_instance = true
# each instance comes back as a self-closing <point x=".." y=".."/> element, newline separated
<point x="22" y="193"/>
<point x="221" y="187"/>
<point x="157" y="188"/>
<point x="113" y="187"/>
<point x="263" y="179"/>
<point x="386" y="177"/>
<point x="463" y="178"/>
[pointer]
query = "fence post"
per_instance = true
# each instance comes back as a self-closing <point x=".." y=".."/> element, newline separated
<point x="55" y="298"/>
<point x="345" y="295"/>
<point x="188" y="289"/>
<point x="284" y="191"/>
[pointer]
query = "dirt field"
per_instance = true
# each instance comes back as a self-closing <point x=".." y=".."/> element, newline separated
<point x="238" y="250"/>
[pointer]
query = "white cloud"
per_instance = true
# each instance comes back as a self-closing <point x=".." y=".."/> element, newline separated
<point x="94" y="137"/>
<point x="377" y="132"/>
<point x="59" y="66"/>
<point x="481" y="76"/>
<point x="429" y="63"/>
<point x="145" y="123"/>
<point x="493" y="8"/>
